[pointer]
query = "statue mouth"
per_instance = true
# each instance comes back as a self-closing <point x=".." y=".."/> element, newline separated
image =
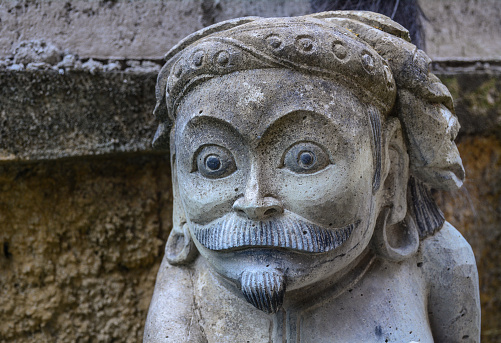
<point x="288" y="231"/>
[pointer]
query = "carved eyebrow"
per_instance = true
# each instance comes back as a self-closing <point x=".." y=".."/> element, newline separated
<point x="284" y="116"/>
<point x="209" y="130"/>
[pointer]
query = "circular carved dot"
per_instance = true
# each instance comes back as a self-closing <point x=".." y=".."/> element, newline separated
<point x="368" y="62"/>
<point x="223" y="58"/>
<point x="274" y="41"/>
<point x="178" y="71"/>
<point x="339" y="50"/>
<point x="198" y="58"/>
<point x="389" y="77"/>
<point x="304" y="44"/>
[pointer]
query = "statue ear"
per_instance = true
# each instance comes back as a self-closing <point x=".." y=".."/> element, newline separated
<point x="180" y="248"/>
<point x="395" y="236"/>
<point x="395" y="171"/>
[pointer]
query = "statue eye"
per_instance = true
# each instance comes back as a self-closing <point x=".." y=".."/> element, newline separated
<point x="305" y="158"/>
<point x="215" y="162"/>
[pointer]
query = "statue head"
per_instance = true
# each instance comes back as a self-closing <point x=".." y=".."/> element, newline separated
<point x="298" y="145"/>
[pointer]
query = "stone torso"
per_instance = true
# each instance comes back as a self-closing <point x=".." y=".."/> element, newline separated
<point x="423" y="299"/>
<point x="395" y="304"/>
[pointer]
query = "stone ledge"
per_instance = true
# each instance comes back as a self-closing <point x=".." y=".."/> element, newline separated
<point x="46" y="114"/>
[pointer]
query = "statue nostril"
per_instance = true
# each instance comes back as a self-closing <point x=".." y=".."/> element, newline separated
<point x="270" y="211"/>
<point x="241" y="212"/>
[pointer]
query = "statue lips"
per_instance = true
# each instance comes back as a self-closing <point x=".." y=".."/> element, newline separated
<point x="288" y="231"/>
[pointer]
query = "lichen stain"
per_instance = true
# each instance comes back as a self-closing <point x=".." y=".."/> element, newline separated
<point x="81" y="242"/>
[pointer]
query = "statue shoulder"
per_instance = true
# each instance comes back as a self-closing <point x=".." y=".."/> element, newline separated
<point x="447" y="248"/>
<point x="451" y="272"/>
<point x="171" y="313"/>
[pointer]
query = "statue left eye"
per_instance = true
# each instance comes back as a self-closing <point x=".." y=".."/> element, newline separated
<point x="305" y="158"/>
<point x="214" y="162"/>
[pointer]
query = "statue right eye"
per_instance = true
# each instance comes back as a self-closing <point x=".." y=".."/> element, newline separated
<point x="215" y="162"/>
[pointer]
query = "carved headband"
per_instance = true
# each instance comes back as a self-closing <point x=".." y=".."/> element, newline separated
<point x="308" y="46"/>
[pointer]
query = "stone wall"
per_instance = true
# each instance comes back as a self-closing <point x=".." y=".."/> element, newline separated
<point x="120" y="29"/>
<point x="85" y="204"/>
<point x="81" y="242"/>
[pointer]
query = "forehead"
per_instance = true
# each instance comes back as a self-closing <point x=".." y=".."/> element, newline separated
<point x="251" y="101"/>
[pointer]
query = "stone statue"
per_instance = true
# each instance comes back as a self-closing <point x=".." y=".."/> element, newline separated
<point x="303" y="152"/>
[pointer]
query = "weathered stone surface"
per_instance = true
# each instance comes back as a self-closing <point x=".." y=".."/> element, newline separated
<point x="466" y="28"/>
<point x="80" y="244"/>
<point x="36" y="51"/>
<point x="49" y="115"/>
<point x="476" y="209"/>
<point x="123" y="29"/>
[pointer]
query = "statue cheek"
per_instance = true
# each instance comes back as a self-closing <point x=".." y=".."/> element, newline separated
<point x="205" y="200"/>
<point x="333" y="197"/>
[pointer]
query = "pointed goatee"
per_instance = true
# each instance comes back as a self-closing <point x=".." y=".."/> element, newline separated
<point x="264" y="289"/>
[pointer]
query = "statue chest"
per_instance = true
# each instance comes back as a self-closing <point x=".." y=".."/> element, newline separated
<point x="387" y="305"/>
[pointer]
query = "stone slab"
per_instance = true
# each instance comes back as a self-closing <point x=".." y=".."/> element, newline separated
<point x="465" y="28"/>
<point x="147" y="29"/>
<point x="123" y="29"/>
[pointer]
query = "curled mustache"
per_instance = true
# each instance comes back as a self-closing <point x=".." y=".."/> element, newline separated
<point x="286" y="231"/>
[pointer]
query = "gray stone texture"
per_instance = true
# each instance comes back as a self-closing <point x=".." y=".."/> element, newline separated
<point x="123" y="29"/>
<point x="465" y="29"/>
<point x="52" y="114"/>
<point x="147" y="29"/>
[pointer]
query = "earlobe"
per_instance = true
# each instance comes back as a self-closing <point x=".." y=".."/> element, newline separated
<point x="180" y="248"/>
<point x="395" y="237"/>
<point x="398" y="241"/>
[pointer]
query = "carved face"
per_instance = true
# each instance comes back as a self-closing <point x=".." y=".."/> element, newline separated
<point x="275" y="173"/>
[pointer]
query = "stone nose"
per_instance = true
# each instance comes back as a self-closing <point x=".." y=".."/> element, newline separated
<point x="258" y="208"/>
